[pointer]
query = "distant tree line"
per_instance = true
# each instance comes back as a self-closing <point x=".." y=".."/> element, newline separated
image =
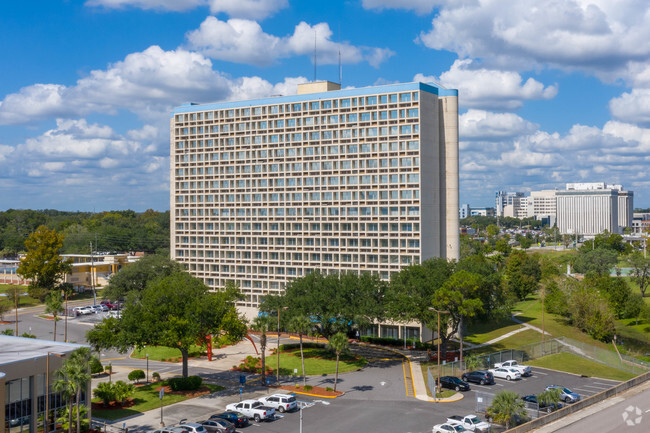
<point x="111" y="231"/>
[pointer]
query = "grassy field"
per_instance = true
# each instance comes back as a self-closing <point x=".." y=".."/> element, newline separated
<point x="478" y="333"/>
<point x="161" y="353"/>
<point x="513" y="342"/>
<point x="145" y="398"/>
<point x="317" y="361"/>
<point x="575" y="364"/>
<point x="634" y="338"/>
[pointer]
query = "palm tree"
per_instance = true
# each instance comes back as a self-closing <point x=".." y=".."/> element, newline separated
<point x="301" y="325"/>
<point x="338" y="343"/>
<point x="507" y="408"/>
<point x="262" y="324"/>
<point x="549" y="398"/>
<point x="72" y="378"/>
<point x="53" y="306"/>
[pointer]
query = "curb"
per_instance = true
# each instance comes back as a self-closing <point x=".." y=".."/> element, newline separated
<point x="316" y="395"/>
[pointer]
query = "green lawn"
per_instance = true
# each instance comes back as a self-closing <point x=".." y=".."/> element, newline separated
<point x="478" y="333"/>
<point x="634" y="338"/>
<point x="317" y="361"/>
<point x="146" y="398"/>
<point x="513" y="342"/>
<point x="575" y="364"/>
<point x="161" y="353"/>
<point x="23" y="301"/>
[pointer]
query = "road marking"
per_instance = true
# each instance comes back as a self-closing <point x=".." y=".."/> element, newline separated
<point x="113" y="359"/>
<point x="539" y="372"/>
<point x="605" y="384"/>
<point x="408" y="378"/>
<point x="597" y="387"/>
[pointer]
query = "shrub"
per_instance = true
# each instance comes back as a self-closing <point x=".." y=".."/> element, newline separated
<point x="155" y="376"/>
<point x="329" y="388"/>
<point x="136" y="375"/>
<point x="96" y="366"/>
<point x="108" y="369"/>
<point x="387" y="341"/>
<point x="105" y="392"/>
<point x="123" y="390"/>
<point x="308" y="387"/>
<point x="190" y="383"/>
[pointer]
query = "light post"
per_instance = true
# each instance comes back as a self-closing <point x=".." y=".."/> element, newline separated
<point x="16" y="299"/>
<point x="65" y="294"/>
<point x="278" y="348"/>
<point x="305" y="404"/>
<point x="147" y="377"/>
<point x="438" y="355"/>
<point x="46" y="417"/>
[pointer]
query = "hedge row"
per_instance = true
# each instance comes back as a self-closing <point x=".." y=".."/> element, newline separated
<point x="189" y="383"/>
<point x="387" y="341"/>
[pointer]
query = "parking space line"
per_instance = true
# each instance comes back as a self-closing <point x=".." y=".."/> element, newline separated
<point x="539" y="372"/>
<point x="597" y="387"/>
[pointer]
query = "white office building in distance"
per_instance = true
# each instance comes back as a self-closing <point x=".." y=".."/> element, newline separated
<point x="355" y="180"/>
<point x="591" y="208"/>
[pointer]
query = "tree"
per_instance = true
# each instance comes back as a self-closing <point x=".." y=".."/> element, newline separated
<point x="174" y="311"/>
<point x="549" y="398"/>
<point x="96" y="366"/>
<point x="412" y="291"/>
<point x="598" y="261"/>
<point x="334" y="302"/>
<point x="459" y="296"/>
<point x="4" y="308"/>
<point x="590" y="312"/>
<point x="263" y="324"/>
<point x="54" y="306"/>
<point x="301" y="325"/>
<point x="43" y="264"/>
<point x="608" y="241"/>
<point x="338" y="343"/>
<point x="507" y="409"/>
<point x="616" y="290"/>
<point x="522" y="274"/>
<point x="73" y="378"/>
<point x="135" y="277"/>
<point x="641" y="270"/>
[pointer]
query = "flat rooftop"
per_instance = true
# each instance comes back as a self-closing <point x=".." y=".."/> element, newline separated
<point x="14" y="349"/>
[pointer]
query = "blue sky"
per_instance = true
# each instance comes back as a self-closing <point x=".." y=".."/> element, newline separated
<point x="551" y="91"/>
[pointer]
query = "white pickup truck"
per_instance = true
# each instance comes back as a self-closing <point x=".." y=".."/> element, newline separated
<point x="523" y="369"/>
<point x="470" y="422"/>
<point x="252" y="409"/>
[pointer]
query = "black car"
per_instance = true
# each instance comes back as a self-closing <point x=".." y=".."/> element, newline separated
<point x="237" y="418"/>
<point x="547" y="408"/>
<point x="481" y="377"/>
<point x="454" y="383"/>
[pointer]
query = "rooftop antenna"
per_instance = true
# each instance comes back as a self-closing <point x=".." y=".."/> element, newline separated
<point x="315" y="58"/>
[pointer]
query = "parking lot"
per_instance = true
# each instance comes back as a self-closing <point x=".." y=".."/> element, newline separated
<point x="377" y="407"/>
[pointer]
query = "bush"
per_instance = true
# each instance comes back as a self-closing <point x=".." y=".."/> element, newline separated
<point x="308" y="387"/>
<point x="118" y="391"/>
<point x="329" y="388"/>
<point x="190" y="383"/>
<point x="155" y="376"/>
<point x="136" y="375"/>
<point x="386" y="341"/>
<point x="108" y="369"/>
<point x="96" y="366"/>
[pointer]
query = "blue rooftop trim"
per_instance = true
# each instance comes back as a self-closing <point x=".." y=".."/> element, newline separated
<point x="191" y="107"/>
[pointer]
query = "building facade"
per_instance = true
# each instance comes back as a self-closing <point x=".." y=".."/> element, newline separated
<point x="508" y="203"/>
<point x="591" y="208"/>
<point x="329" y="180"/>
<point x="26" y="366"/>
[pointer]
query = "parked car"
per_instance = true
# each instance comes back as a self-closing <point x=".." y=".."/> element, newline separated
<point x="280" y="402"/>
<point x="567" y="395"/>
<point x="482" y="377"/>
<point x="252" y="409"/>
<point x="451" y="382"/>
<point x="237" y="418"/>
<point x="548" y="408"/>
<point x="83" y="311"/>
<point x="99" y="308"/>
<point x="448" y="427"/>
<point x="192" y="427"/>
<point x="524" y="370"/>
<point x="218" y="426"/>
<point x="114" y="313"/>
<point x="505" y="373"/>
<point x="169" y="430"/>
<point x="470" y="422"/>
<point x="109" y="304"/>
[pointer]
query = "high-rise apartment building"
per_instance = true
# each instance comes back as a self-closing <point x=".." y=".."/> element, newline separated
<point x="355" y="180"/>
<point x="509" y="204"/>
<point x="591" y="208"/>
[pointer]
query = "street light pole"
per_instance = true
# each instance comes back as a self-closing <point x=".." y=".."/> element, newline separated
<point x="438" y="356"/>
<point x="16" y="299"/>
<point x="147" y="378"/>
<point x="278" y="348"/>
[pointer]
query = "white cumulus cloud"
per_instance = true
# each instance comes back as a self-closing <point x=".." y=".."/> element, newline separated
<point x="244" y="41"/>
<point x="255" y="9"/>
<point x="489" y="88"/>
